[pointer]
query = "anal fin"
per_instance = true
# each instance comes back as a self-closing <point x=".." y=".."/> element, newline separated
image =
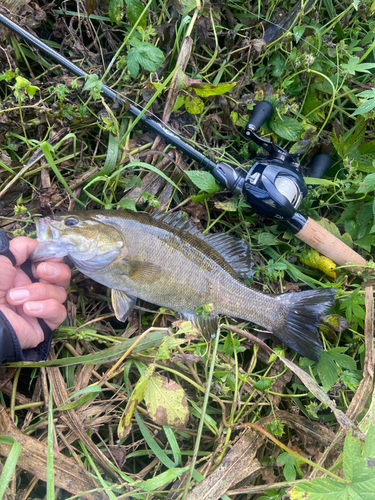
<point x="123" y="304"/>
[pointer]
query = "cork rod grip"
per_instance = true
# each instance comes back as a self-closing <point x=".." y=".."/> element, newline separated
<point x="329" y="245"/>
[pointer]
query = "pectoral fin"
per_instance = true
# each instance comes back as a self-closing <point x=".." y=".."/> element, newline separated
<point x="123" y="304"/>
<point x="145" y="272"/>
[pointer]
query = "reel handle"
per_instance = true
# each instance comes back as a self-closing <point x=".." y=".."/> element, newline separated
<point x="262" y="111"/>
<point x="320" y="165"/>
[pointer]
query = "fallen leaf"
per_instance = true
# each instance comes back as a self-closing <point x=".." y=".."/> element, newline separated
<point x="166" y="402"/>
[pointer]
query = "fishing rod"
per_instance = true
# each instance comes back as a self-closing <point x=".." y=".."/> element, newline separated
<point x="274" y="186"/>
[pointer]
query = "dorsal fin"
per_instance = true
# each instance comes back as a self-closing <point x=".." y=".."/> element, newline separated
<point x="176" y="219"/>
<point x="235" y="251"/>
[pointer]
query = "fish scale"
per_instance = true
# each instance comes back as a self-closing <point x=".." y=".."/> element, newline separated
<point x="165" y="260"/>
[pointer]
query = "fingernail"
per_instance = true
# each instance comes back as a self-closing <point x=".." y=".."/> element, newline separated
<point x="18" y="295"/>
<point x="34" y="306"/>
<point x="50" y="270"/>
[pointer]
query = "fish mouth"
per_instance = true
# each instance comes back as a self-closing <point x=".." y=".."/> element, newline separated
<point x="48" y="247"/>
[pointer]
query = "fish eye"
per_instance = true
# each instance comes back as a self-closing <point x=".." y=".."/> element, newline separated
<point x="71" y="221"/>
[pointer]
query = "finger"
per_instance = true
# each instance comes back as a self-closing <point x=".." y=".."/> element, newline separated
<point x="8" y="274"/>
<point x="22" y="247"/>
<point x="50" y="310"/>
<point x="54" y="272"/>
<point x="36" y="291"/>
<point x="28" y="331"/>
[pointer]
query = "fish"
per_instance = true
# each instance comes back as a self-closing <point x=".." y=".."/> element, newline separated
<point x="166" y="260"/>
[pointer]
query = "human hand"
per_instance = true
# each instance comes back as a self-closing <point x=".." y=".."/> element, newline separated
<point x="22" y="301"/>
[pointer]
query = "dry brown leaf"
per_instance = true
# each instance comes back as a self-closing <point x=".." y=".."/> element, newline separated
<point x="238" y="464"/>
<point x="68" y="475"/>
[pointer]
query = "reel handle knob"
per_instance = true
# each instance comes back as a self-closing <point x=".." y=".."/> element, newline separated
<point x="320" y="165"/>
<point x="262" y="111"/>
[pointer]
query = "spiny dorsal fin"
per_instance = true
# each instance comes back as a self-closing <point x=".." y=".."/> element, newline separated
<point x="236" y="252"/>
<point x="176" y="219"/>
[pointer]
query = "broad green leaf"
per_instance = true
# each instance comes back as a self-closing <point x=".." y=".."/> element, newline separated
<point x="204" y="181"/>
<point x="183" y="7"/>
<point x="206" y="89"/>
<point x="133" y="64"/>
<point x="366" y="242"/>
<point x="330" y="226"/>
<point x="278" y="65"/>
<point x="239" y="121"/>
<point x="369" y="448"/>
<point x="166" y="402"/>
<point x="351" y="380"/>
<point x="180" y="101"/>
<point x="368" y="148"/>
<point x="116" y="11"/>
<point x="298" y="32"/>
<point x="93" y="82"/>
<point x="273" y="494"/>
<point x="354" y="66"/>
<point x="286" y="127"/>
<point x="352" y="461"/>
<point x="311" y="104"/>
<point x="291" y="465"/>
<point x="262" y="384"/>
<point x="359" y="483"/>
<point x="31" y="89"/>
<point x="347" y="239"/>
<point x="194" y="105"/>
<point x="365" y="107"/>
<point x="136" y="397"/>
<point x="266" y="239"/>
<point x="319" y="489"/>
<point x="368" y="184"/>
<point x="128" y="204"/>
<point x="368" y="94"/>
<point x="345" y="361"/>
<point x="327" y="371"/>
<point x="134" y="9"/>
<point x="143" y="54"/>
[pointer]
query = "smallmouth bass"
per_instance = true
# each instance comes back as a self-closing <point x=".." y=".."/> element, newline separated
<point x="165" y="260"/>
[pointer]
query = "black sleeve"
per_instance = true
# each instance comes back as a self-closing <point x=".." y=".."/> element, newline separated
<point x="10" y="348"/>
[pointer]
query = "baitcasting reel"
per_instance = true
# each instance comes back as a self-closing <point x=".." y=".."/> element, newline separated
<point x="274" y="186"/>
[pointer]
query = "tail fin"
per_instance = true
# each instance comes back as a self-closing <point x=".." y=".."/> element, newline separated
<point x="302" y="314"/>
